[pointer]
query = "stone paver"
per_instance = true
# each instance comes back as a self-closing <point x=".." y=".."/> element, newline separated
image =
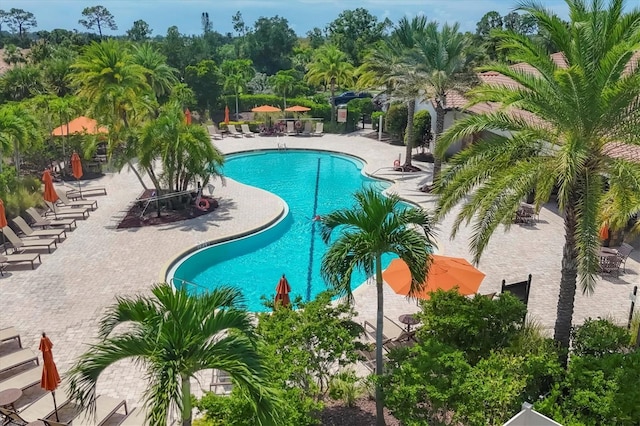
<point x="69" y="292"/>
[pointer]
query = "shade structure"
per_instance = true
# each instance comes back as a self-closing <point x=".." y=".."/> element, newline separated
<point x="80" y="125"/>
<point x="445" y="273"/>
<point x="282" y="292"/>
<point x="50" y="193"/>
<point x="3" y="216"/>
<point x="187" y="116"/>
<point x="50" y="377"/>
<point x="297" y="108"/>
<point x="266" y="108"/>
<point x="226" y="115"/>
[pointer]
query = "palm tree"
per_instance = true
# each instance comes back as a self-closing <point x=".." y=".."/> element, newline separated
<point x="397" y="65"/>
<point x="330" y="67"/>
<point x="375" y="226"/>
<point x="578" y="110"/>
<point x="65" y="108"/>
<point x="160" y="76"/>
<point x="237" y="74"/>
<point x="18" y="127"/>
<point x="283" y="82"/>
<point x="23" y="82"/>
<point x="174" y="335"/>
<point x="446" y="64"/>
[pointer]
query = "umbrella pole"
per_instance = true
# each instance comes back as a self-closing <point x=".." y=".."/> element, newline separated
<point x="55" y="406"/>
<point x="79" y="187"/>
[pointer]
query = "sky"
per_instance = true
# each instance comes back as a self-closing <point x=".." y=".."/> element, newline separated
<point x="302" y="15"/>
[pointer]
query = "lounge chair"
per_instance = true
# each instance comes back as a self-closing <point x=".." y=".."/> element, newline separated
<point x="10" y="333"/>
<point x="80" y="202"/>
<point x="220" y="382"/>
<point x="21" y="258"/>
<point x="368" y="358"/>
<point x="307" y="129"/>
<point x="87" y="192"/>
<point x="319" y="129"/>
<point x="30" y="232"/>
<point x="105" y="408"/>
<point x="42" y="408"/>
<point x="290" y="128"/>
<point x="23" y="380"/>
<point x="16" y="359"/>
<point x="246" y="131"/>
<point x="623" y="253"/>
<point x="214" y="133"/>
<point x="231" y="128"/>
<point x="136" y="417"/>
<point x="20" y="245"/>
<point x="42" y="222"/>
<point x="67" y="212"/>
<point x="390" y="329"/>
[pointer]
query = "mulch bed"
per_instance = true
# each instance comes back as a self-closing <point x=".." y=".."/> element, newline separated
<point x="362" y="414"/>
<point x="133" y="220"/>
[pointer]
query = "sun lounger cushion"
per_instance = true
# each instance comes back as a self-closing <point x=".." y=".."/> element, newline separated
<point x="136" y="417"/>
<point x="22" y="380"/>
<point x="9" y="333"/>
<point x="41" y="221"/>
<point x="105" y="408"/>
<point x="16" y="359"/>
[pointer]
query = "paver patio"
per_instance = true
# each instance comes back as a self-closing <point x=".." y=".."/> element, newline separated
<point x="69" y="292"/>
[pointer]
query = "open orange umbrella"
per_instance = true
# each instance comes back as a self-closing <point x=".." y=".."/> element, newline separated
<point x="445" y="273"/>
<point x="80" y="125"/>
<point x="297" y="108"/>
<point x="266" y="108"/>
<point x="50" y="377"/>
<point x="282" y="292"/>
<point x="187" y="116"/>
<point x="226" y="115"/>
<point x="76" y="167"/>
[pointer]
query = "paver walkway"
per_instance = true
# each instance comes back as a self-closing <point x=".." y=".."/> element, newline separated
<point x="69" y="292"/>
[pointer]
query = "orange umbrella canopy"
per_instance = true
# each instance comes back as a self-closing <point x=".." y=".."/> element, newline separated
<point x="3" y="217"/>
<point x="282" y="292"/>
<point x="445" y="273"/>
<point x="50" y="193"/>
<point x="226" y="115"/>
<point x="297" y="108"/>
<point x="266" y="108"/>
<point x="50" y="377"/>
<point x="76" y="165"/>
<point x="81" y="124"/>
<point x="604" y="232"/>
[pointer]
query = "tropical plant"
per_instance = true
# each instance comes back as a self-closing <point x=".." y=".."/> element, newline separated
<point x="237" y="74"/>
<point x="329" y="66"/>
<point x="375" y="226"/>
<point x="283" y="82"/>
<point x="174" y="335"/>
<point x="160" y="76"/>
<point x="579" y="111"/>
<point x="18" y="128"/>
<point x="22" y="82"/>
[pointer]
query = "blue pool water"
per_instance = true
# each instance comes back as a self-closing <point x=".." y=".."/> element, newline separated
<point x="311" y="183"/>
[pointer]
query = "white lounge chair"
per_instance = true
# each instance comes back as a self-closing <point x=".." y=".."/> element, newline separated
<point x="21" y="258"/>
<point x="231" y="128"/>
<point x="319" y="129"/>
<point x="87" y="192"/>
<point x="136" y="417"/>
<point x="30" y="232"/>
<point x="42" y="222"/>
<point x="20" y="245"/>
<point x="290" y="128"/>
<point x="23" y="380"/>
<point x="214" y="133"/>
<point x="16" y="359"/>
<point x="80" y="202"/>
<point x="246" y="131"/>
<point x="10" y="333"/>
<point x="307" y="129"/>
<point x="67" y="212"/>
<point x="105" y="408"/>
<point x="43" y="407"/>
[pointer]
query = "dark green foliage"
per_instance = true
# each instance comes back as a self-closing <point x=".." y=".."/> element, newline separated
<point x="598" y="338"/>
<point x="205" y="81"/>
<point x="421" y="128"/>
<point x="270" y="44"/>
<point x="246" y="102"/>
<point x="396" y="121"/>
<point x="356" y="110"/>
<point x="375" y="119"/>
<point x="355" y="31"/>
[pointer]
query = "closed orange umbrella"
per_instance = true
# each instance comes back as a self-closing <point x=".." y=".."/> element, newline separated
<point x="50" y="377"/>
<point x="297" y="108"/>
<point x="282" y="292"/>
<point x="3" y="217"/>
<point x="50" y="193"/>
<point x="187" y="116"/>
<point x="604" y="232"/>
<point x="76" y="167"/>
<point x="226" y="115"/>
<point x="445" y="273"/>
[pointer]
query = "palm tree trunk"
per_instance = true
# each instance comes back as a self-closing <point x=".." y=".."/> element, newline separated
<point x="379" y="333"/>
<point x="566" y="299"/>
<point x="437" y="161"/>
<point x="186" y="400"/>
<point x="135" y="171"/>
<point x="17" y="158"/>
<point x="333" y="102"/>
<point x="237" y="112"/>
<point x="411" y="108"/>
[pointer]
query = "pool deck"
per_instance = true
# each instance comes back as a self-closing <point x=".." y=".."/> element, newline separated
<point x="68" y="293"/>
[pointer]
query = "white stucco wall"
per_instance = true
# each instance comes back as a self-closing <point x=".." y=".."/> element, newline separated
<point x="449" y="118"/>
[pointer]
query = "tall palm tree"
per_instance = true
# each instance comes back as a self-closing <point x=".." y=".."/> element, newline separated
<point x="23" y="82"/>
<point x="330" y="66"/>
<point x="174" y="335"/>
<point x="237" y="74"/>
<point x="66" y="108"/>
<point x="446" y="64"/>
<point x="18" y="127"/>
<point x="578" y="110"/>
<point x="375" y="226"/>
<point x="160" y="76"/>
<point x="283" y="82"/>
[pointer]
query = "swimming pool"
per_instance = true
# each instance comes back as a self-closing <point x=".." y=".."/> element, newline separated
<point x="311" y="183"/>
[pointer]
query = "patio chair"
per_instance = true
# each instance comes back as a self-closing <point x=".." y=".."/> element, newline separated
<point x="290" y="128"/>
<point x="610" y="265"/>
<point x="23" y="380"/>
<point x="20" y="245"/>
<point x="42" y="408"/>
<point x="10" y="333"/>
<point x="87" y="192"/>
<point x="319" y="129"/>
<point x="67" y="212"/>
<point x="16" y="359"/>
<point x="220" y="382"/>
<point x="246" y="131"/>
<point x="136" y="417"/>
<point x="307" y="129"/>
<point x="623" y="253"/>
<point x="30" y="232"/>
<point x="39" y="220"/>
<point x="214" y="133"/>
<point x="368" y="358"/>
<point x="21" y="258"/>
<point x="525" y="215"/>
<point x="231" y="128"/>
<point x="80" y="202"/>
<point x="404" y="340"/>
<point x="519" y="289"/>
<point x="105" y="408"/>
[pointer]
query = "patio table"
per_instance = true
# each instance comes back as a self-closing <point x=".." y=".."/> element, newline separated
<point x="408" y="320"/>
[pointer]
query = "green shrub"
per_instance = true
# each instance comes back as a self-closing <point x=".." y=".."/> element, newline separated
<point x="599" y="337"/>
<point x="345" y="387"/>
<point x="375" y="119"/>
<point x="396" y="121"/>
<point x="421" y="128"/>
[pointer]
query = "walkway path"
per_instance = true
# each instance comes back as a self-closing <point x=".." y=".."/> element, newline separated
<point x="69" y="292"/>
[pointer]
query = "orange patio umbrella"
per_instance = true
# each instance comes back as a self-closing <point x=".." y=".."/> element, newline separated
<point x="76" y="168"/>
<point x="3" y="219"/>
<point x="266" y="108"/>
<point x="297" y="108"/>
<point x="604" y="232"/>
<point x="445" y="273"/>
<point x="226" y="115"/>
<point x="282" y="292"/>
<point x="50" y="193"/>
<point x="187" y="116"/>
<point x="50" y="377"/>
<point x="80" y="125"/>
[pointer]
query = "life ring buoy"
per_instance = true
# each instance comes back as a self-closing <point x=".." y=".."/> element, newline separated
<point x="396" y="163"/>
<point x="203" y="204"/>
<point x="298" y="124"/>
